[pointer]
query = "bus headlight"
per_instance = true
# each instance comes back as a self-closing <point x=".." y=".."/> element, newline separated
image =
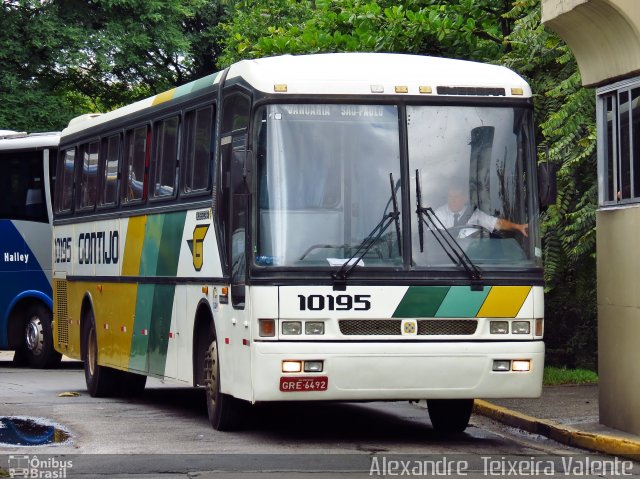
<point x="501" y="365"/>
<point x="291" y="366"/>
<point x="521" y="327"/>
<point x="291" y="327"/>
<point x="314" y="327"/>
<point x="499" y="327"/>
<point x="313" y="366"/>
<point x="522" y="365"/>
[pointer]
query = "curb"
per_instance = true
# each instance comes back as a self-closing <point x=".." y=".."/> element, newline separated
<point x="612" y="445"/>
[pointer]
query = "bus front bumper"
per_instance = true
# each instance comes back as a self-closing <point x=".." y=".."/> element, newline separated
<point x="354" y="371"/>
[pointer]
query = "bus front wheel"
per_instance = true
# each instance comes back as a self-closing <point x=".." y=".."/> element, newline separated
<point x="38" y="338"/>
<point x="450" y="415"/>
<point x="223" y="410"/>
<point x="100" y="379"/>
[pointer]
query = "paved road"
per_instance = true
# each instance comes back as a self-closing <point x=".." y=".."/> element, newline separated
<point x="166" y="430"/>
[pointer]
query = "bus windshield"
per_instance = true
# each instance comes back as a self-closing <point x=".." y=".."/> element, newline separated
<point x="324" y="185"/>
<point x="473" y="166"/>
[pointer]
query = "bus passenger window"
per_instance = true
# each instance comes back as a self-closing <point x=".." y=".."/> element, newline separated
<point x="65" y="182"/>
<point x="197" y="159"/>
<point x="164" y="176"/>
<point x="136" y="151"/>
<point x="110" y="150"/>
<point x="89" y="178"/>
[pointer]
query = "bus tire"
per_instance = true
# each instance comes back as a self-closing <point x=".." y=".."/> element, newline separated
<point x="450" y="415"/>
<point x="131" y="384"/>
<point x="38" y="338"/>
<point x="223" y="410"/>
<point x="101" y="380"/>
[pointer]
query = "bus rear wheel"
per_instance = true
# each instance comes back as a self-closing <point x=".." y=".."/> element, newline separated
<point x="101" y="381"/>
<point x="38" y="338"/>
<point x="224" y="411"/>
<point x="450" y="415"/>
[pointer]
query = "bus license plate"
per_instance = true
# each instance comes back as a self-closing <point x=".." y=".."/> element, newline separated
<point x="304" y="384"/>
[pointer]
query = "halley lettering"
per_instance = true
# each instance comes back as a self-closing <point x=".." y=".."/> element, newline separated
<point x="16" y="257"/>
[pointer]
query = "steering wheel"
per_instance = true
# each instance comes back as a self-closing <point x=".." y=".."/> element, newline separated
<point x="479" y="232"/>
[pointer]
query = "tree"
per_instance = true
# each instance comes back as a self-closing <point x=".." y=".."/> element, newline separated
<point x="63" y="58"/>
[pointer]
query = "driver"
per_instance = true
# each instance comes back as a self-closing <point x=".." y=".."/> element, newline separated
<point x="457" y="213"/>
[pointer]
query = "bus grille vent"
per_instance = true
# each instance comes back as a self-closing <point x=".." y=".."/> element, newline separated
<point x="393" y="327"/>
<point x="62" y="312"/>
<point x="470" y="91"/>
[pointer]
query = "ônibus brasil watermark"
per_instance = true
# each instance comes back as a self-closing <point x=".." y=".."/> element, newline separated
<point x="501" y="466"/>
<point x="33" y="467"/>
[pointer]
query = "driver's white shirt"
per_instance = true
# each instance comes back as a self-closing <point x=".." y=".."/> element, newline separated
<point x="480" y="218"/>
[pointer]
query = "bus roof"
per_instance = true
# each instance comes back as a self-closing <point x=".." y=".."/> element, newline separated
<point x="345" y="74"/>
<point x="380" y="73"/>
<point x="12" y="140"/>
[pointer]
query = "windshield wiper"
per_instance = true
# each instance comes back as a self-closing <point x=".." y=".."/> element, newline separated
<point x="340" y="276"/>
<point x="426" y="216"/>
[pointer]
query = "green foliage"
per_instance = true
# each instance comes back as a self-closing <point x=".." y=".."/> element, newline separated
<point x="60" y="59"/>
<point x="556" y="376"/>
<point x="465" y="29"/>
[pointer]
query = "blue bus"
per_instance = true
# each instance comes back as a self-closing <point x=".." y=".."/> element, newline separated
<point x="26" y="301"/>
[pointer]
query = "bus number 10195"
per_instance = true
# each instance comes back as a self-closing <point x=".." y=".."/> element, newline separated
<point x="341" y="302"/>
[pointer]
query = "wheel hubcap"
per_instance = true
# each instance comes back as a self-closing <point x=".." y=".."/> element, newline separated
<point x="34" y="335"/>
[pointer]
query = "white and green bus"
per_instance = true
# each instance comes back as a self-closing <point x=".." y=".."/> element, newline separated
<point x="275" y="232"/>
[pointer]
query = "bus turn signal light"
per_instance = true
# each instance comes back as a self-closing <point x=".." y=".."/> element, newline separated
<point x="267" y="328"/>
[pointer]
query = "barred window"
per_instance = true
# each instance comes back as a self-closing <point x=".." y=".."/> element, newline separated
<point x="619" y="129"/>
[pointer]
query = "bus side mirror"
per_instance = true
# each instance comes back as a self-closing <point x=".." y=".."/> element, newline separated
<point x="547" y="184"/>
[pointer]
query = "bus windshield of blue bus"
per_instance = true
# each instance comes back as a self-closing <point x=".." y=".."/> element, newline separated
<point x="22" y="192"/>
<point x="324" y="185"/>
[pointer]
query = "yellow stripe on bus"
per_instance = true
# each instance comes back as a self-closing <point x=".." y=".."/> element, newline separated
<point x="117" y="302"/>
<point x="164" y="96"/>
<point x="133" y="246"/>
<point x="504" y="301"/>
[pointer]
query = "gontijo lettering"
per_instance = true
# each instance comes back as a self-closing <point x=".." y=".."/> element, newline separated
<point x="100" y="247"/>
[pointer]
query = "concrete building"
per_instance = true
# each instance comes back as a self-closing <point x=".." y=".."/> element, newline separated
<point x="604" y="36"/>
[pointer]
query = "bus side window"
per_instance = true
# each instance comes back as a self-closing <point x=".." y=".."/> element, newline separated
<point x="65" y="180"/>
<point x="136" y="151"/>
<point x="198" y="150"/>
<point x="109" y="179"/>
<point x="166" y="160"/>
<point x="89" y="175"/>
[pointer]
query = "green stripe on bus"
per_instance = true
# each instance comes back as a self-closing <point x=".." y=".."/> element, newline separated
<point x="203" y="82"/>
<point x="421" y="301"/>
<point x="169" y="253"/>
<point x="141" y="325"/>
<point x="462" y="302"/>
<point x="151" y="246"/>
<point x="154" y="305"/>
<point x="167" y="265"/>
<point x="159" y="332"/>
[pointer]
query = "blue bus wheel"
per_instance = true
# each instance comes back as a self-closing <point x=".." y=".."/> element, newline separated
<point x="38" y="338"/>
